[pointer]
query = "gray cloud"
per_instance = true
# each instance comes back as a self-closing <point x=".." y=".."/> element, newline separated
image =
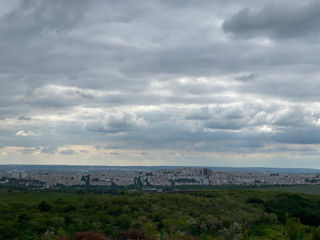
<point x="115" y="123"/>
<point x="246" y="78"/>
<point x="303" y="135"/>
<point x="31" y="18"/>
<point x="115" y="153"/>
<point x="288" y="19"/>
<point x="67" y="152"/>
<point x="164" y="76"/>
<point x="24" y="118"/>
<point x="48" y="150"/>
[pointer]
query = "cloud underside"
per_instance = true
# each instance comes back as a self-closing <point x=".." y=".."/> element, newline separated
<point x="148" y="82"/>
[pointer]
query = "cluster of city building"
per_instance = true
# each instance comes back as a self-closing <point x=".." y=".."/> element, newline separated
<point x="165" y="177"/>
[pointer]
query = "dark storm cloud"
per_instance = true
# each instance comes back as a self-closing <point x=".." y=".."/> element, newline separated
<point x="288" y="19"/>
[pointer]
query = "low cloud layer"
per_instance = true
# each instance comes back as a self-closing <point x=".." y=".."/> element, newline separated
<point x="160" y="83"/>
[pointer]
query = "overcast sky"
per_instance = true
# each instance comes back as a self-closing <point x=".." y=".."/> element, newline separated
<point x="183" y="82"/>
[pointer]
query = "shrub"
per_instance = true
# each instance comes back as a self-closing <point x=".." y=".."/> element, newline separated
<point x="293" y="229"/>
<point x="85" y="236"/>
<point x="44" y="206"/>
<point x="255" y="200"/>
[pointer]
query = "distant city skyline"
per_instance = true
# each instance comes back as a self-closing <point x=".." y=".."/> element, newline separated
<point x="187" y="83"/>
<point x="162" y="177"/>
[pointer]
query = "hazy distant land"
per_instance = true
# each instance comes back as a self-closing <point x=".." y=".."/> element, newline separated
<point x="90" y="168"/>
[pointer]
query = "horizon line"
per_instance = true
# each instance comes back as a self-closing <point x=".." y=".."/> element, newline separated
<point x="203" y="166"/>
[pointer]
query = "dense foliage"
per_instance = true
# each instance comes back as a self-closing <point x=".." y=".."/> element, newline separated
<point x="233" y="214"/>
